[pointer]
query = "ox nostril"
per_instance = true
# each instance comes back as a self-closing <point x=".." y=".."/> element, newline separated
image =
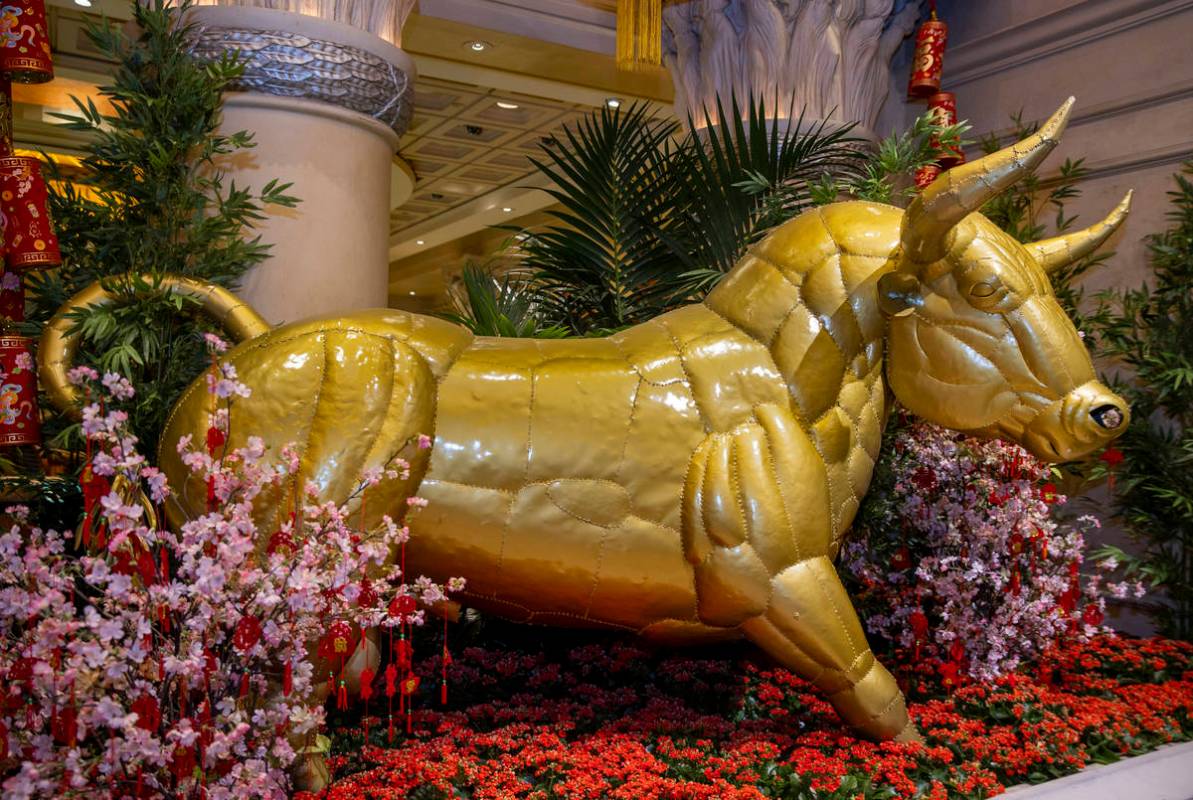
<point x="1108" y="416"/>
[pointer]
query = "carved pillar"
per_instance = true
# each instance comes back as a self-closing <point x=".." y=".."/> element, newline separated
<point x="830" y="58"/>
<point x="326" y="102"/>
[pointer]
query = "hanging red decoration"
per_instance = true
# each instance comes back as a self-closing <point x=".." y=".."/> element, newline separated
<point x="402" y="606"/>
<point x="20" y="419"/>
<point x="247" y="633"/>
<point x="337" y="642"/>
<point x="943" y="108"/>
<point x="1048" y="493"/>
<point x="928" y="61"/>
<point x="287" y="679"/>
<point x="901" y="560"/>
<point x="366" y="684"/>
<point x="1111" y="457"/>
<point x="410" y="685"/>
<point x="25" y="42"/>
<point x="403" y="653"/>
<point x="1092" y="615"/>
<point x="215" y="440"/>
<point x="925" y="175"/>
<point x="29" y="237"/>
<point x="149" y="715"/>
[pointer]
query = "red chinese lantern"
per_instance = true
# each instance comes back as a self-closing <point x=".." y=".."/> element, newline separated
<point x="28" y="231"/>
<point x="943" y="108"/>
<point x="929" y="59"/>
<point x="25" y="42"/>
<point x="20" y="420"/>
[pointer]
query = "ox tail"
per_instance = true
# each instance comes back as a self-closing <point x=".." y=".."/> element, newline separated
<point x="60" y="339"/>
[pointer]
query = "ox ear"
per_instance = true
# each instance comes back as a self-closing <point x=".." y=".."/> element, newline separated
<point x="1052" y="254"/>
<point x="962" y="190"/>
<point x="899" y="294"/>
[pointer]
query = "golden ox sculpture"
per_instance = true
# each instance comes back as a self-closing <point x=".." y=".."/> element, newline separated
<point x="690" y="478"/>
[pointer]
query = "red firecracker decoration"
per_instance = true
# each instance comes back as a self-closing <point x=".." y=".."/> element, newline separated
<point x="29" y="237"/>
<point x="943" y="108"/>
<point x="25" y="42"/>
<point x="929" y="59"/>
<point x="20" y="420"/>
<point x="925" y="175"/>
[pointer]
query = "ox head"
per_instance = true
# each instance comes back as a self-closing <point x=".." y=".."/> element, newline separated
<point x="977" y="341"/>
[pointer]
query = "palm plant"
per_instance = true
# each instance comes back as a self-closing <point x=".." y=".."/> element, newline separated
<point x="652" y="218"/>
<point x="508" y="305"/>
<point x="605" y="266"/>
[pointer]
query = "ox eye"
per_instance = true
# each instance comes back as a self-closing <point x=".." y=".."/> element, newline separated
<point x="983" y="289"/>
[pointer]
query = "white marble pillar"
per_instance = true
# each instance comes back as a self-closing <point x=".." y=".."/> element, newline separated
<point x="326" y="103"/>
<point x="827" y="58"/>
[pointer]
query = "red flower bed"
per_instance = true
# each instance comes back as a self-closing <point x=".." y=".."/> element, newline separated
<point x="612" y="720"/>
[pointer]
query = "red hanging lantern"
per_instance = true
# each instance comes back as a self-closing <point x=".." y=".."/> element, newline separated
<point x="943" y="108"/>
<point x="25" y="42"/>
<point x="28" y="232"/>
<point x="20" y="419"/>
<point x="929" y="59"/>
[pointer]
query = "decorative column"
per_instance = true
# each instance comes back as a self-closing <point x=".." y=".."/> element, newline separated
<point x="326" y="103"/>
<point x="828" y="58"/>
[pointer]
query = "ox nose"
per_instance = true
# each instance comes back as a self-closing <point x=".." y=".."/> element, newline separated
<point x="1109" y="416"/>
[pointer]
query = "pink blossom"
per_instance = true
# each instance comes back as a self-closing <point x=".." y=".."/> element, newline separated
<point x="215" y="344"/>
<point x="424" y="441"/>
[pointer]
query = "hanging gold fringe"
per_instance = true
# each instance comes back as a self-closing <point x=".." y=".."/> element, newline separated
<point x="639" y="33"/>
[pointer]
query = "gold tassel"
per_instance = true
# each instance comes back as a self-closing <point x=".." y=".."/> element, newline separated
<point x="639" y="34"/>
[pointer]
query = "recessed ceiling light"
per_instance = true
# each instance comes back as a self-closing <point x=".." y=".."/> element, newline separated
<point x="507" y="105"/>
<point x="419" y="241"/>
<point x="506" y="209"/>
<point x="413" y="293"/>
<point x="83" y="3"/>
<point x="613" y="102"/>
<point x="476" y="45"/>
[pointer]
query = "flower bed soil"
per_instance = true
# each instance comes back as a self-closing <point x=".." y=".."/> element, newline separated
<point x="545" y="714"/>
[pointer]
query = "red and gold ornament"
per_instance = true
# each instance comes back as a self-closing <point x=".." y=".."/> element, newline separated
<point x="25" y="42"/>
<point x="29" y="238"/>
<point x="943" y="108"/>
<point x="20" y="419"/>
<point x="927" y="64"/>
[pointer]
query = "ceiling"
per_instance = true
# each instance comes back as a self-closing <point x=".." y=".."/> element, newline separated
<point x="467" y="141"/>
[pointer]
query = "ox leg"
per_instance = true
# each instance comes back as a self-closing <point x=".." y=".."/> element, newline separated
<point x="811" y="628"/>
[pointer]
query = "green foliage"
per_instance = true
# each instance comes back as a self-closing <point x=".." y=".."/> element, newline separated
<point x="501" y="306"/>
<point x="155" y="202"/>
<point x="888" y="175"/>
<point x="1022" y="210"/>
<point x="736" y="180"/>
<point x="1149" y="331"/>
<point x="652" y="219"/>
<point x="605" y="266"/>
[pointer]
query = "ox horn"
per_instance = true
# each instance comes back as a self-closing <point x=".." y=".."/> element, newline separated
<point x="1060" y="251"/>
<point x="962" y="190"/>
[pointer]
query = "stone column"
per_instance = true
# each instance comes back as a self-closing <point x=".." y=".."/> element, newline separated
<point x="326" y="103"/>
<point x="828" y="58"/>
